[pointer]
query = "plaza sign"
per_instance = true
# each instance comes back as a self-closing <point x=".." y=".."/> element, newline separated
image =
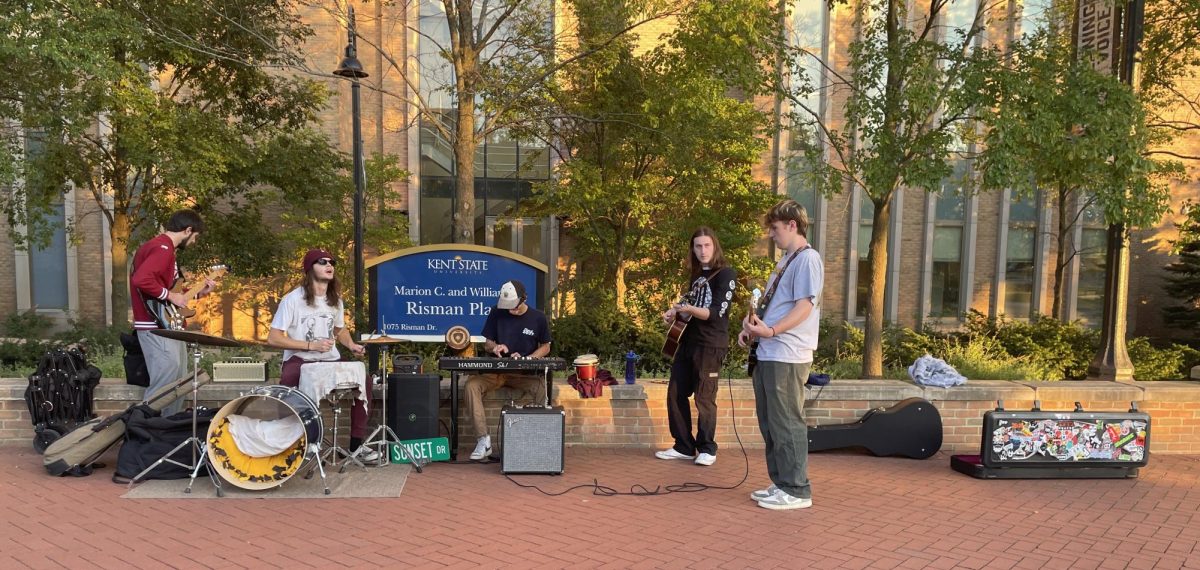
<point x="421" y="292"/>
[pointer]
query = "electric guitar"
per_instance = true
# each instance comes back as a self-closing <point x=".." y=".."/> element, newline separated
<point x="170" y="316"/>
<point x="752" y="357"/>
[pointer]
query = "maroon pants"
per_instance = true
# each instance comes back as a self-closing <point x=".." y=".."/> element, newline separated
<point x="290" y="376"/>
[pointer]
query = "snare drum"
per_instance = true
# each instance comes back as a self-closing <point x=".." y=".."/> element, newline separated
<point x="263" y="403"/>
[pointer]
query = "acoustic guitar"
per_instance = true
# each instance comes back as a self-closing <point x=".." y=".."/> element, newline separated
<point x="675" y="334"/>
<point x="752" y="356"/>
<point x="170" y="316"/>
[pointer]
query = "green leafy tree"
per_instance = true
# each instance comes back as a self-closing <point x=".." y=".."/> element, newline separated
<point x="912" y="90"/>
<point x="1079" y="135"/>
<point x="152" y="106"/>
<point x="265" y="248"/>
<point x="491" y="63"/>
<point x="655" y="146"/>
<point x="1183" y="279"/>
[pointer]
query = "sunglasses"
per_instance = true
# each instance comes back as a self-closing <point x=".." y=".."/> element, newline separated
<point x="325" y="262"/>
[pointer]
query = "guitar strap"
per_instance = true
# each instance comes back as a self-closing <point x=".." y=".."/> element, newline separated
<point x="766" y="302"/>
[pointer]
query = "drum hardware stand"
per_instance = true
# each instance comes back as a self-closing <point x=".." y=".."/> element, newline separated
<point x="199" y="457"/>
<point x="335" y="450"/>
<point x="387" y="437"/>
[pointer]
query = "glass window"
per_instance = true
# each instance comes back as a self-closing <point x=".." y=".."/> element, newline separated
<point x="946" y="269"/>
<point x="957" y="17"/>
<point x="1020" y="259"/>
<point x="1033" y="15"/>
<point x="1089" y="302"/>
<point x="504" y="166"/>
<point x="48" y="265"/>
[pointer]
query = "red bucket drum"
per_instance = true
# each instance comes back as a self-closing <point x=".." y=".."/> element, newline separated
<point x="586" y="366"/>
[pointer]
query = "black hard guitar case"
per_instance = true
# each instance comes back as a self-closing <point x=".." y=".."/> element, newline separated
<point x="911" y="428"/>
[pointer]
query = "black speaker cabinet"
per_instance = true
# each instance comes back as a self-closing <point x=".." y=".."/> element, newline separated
<point x="531" y="439"/>
<point x="412" y="406"/>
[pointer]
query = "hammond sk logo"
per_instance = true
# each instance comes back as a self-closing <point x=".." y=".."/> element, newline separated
<point x="457" y="265"/>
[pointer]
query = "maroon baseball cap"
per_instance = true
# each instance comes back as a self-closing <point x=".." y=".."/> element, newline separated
<point x="313" y="255"/>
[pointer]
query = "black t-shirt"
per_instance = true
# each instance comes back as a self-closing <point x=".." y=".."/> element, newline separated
<point x="715" y="293"/>
<point x="521" y="334"/>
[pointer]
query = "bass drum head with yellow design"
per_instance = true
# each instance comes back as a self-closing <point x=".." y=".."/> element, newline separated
<point x="266" y="403"/>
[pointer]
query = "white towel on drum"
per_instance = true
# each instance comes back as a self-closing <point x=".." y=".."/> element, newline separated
<point x="264" y="438"/>
<point x="317" y="379"/>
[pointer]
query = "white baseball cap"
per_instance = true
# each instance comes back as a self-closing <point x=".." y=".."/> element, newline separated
<point x="511" y="295"/>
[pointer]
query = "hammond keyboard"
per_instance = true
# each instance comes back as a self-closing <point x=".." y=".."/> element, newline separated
<point x="460" y="363"/>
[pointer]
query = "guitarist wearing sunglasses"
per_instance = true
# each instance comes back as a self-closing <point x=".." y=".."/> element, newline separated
<point x="154" y="274"/>
<point x="787" y="333"/>
<point x="701" y="350"/>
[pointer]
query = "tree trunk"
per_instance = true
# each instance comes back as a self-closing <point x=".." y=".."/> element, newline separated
<point x="119" y="251"/>
<point x="877" y="258"/>
<point x="619" y="283"/>
<point x="1062" y="257"/>
<point x="464" y="164"/>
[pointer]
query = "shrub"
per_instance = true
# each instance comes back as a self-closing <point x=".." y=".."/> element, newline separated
<point x="1053" y="349"/>
<point x="1172" y="362"/>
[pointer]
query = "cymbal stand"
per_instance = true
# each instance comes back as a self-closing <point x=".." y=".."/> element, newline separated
<point x="199" y="457"/>
<point x="387" y="437"/>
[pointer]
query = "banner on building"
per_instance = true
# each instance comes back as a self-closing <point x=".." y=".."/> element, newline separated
<point x="421" y="292"/>
<point x="1098" y="33"/>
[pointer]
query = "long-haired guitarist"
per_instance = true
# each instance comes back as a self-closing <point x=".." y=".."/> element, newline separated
<point x="702" y="348"/>
<point x="154" y="274"/>
<point x="787" y="331"/>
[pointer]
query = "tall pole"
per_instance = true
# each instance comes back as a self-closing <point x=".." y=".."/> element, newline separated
<point x="1112" y="361"/>
<point x="352" y="69"/>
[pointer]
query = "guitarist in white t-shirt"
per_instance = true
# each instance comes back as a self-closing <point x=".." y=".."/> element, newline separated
<point x="787" y="334"/>
<point x="702" y="349"/>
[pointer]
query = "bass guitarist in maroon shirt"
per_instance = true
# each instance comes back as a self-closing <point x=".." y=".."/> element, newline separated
<point x="154" y="273"/>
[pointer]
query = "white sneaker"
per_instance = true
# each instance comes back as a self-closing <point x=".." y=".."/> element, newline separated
<point x="369" y="454"/>
<point x="781" y="501"/>
<point x="764" y="493"/>
<point x="670" y="453"/>
<point x="483" y="448"/>
<point x="706" y="459"/>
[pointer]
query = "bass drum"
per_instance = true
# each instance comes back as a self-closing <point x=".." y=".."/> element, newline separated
<point x="264" y="403"/>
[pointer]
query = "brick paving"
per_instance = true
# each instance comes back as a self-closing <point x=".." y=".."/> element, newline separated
<point x="868" y="513"/>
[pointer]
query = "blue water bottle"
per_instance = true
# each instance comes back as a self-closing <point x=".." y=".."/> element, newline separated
<point x="630" y="367"/>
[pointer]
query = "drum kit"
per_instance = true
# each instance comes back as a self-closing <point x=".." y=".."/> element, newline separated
<point x="260" y="440"/>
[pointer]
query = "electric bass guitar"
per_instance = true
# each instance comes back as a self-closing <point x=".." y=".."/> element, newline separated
<point x="675" y="334"/>
<point x="170" y="316"/>
<point x="752" y="357"/>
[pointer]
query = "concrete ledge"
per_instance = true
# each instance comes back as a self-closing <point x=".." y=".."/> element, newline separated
<point x="635" y="415"/>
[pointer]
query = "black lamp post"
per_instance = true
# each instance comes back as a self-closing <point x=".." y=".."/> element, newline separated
<point x="352" y="69"/>
<point x="1112" y="361"/>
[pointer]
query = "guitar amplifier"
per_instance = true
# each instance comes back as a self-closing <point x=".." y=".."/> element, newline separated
<point x="407" y="364"/>
<point x="532" y="440"/>
<point x="240" y="369"/>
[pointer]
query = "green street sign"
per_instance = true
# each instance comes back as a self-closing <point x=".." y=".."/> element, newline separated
<point x="432" y="449"/>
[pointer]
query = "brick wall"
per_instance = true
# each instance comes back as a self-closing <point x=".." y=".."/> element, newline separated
<point x="635" y="415"/>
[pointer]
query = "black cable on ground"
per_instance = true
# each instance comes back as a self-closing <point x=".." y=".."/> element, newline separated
<point x="638" y="490"/>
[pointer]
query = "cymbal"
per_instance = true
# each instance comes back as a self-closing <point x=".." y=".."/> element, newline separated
<point x="197" y="337"/>
<point x="384" y="339"/>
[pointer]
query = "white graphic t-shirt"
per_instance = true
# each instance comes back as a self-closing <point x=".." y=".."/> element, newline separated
<point x="308" y="323"/>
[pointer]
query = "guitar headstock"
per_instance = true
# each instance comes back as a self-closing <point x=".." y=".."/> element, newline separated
<point x="218" y="271"/>
<point x="755" y="297"/>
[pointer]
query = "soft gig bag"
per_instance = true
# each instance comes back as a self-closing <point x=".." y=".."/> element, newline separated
<point x="149" y="436"/>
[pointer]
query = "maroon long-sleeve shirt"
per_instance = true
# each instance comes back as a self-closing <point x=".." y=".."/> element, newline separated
<point x="154" y="273"/>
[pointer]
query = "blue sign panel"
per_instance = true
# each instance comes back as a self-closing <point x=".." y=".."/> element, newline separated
<point x="421" y="292"/>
